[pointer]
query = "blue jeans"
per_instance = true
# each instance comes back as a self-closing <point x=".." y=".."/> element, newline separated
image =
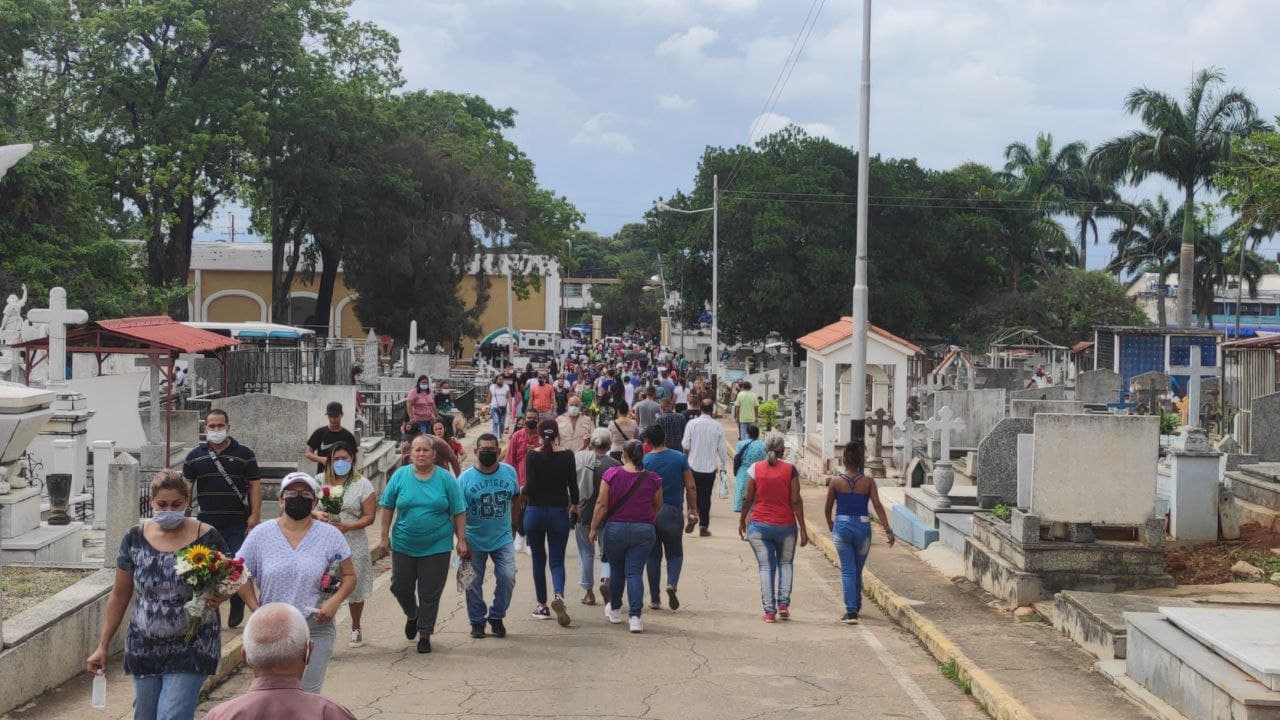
<point x="498" y="419"/>
<point x="852" y="537"/>
<point x="775" y="548"/>
<point x="742" y="429"/>
<point x="167" y="697"/>
<point x="669" y="528"/>
<point x="628" y="546"/>
<point x="587" y="557"/>
<point x="504" y="572"/>
<point x="548" y="531"/>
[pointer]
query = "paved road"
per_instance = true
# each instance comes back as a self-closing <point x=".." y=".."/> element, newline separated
<point x="712" y="659"/>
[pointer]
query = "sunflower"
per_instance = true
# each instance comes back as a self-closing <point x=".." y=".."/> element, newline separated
<point x="199" y="555"/>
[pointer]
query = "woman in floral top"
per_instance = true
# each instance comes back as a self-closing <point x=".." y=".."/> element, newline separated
<point x="167" y="672"/>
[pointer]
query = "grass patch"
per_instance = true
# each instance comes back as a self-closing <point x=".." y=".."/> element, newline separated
<point x="1002" y="511"/>
<point x="951" y="671"/>
<point x="25" y="586"/>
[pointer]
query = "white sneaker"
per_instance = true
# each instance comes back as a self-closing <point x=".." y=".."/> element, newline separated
<point x="520" y="545"/>
<point x="356" y="641"/>
<point x="615" y="616"/>
<point x="637" y="625"/>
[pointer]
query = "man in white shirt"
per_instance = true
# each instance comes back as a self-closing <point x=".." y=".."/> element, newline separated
<point x="704" y="443"/>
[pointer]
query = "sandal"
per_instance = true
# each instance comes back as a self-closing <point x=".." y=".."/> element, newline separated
<point x="589" y="598"/>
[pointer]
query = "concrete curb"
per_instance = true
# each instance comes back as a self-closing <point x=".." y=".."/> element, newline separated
<point x="989" y="693"/>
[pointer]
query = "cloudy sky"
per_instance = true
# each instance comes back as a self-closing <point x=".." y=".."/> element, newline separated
<point x="617" y="98"/>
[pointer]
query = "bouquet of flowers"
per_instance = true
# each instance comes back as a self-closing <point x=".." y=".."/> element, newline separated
<point x="210" y="575"/>
<point x="331" y="499"/>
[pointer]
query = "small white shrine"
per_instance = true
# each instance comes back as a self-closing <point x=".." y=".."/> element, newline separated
<point x="828" y="406"/>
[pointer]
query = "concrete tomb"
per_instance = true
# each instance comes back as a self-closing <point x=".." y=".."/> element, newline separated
<point x="979" y="409"/>
<point x="997" y="467"/>
<point x="1149" y="390"/>
<point x="1264" y="428"/>
<point x="1098" y="387"/>
<point x="1028" y="408"/>
<point x="1095" y="468"/>
<point x="1051" y="392"/>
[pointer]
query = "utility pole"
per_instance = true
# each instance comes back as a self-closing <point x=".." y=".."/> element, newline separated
<point x="860" y="323"/>
<point x="715" y="284"/>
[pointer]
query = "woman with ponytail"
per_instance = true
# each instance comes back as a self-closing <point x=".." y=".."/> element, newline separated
<point x="551" y="509"/>
<point x="772" y="501"/>
<point x="848" y="494"/>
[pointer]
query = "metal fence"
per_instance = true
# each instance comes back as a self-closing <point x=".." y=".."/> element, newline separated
<point x="383" y="411"/>
<point x="255" y="369"/>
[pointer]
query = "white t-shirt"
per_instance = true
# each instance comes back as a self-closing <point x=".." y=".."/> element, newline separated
<point x="682" y="395"/>
<point x="499" y="394"/>
<point x="629" y="391"/>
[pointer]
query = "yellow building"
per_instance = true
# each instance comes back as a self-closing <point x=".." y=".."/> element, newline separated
<point x="232" y="283"/>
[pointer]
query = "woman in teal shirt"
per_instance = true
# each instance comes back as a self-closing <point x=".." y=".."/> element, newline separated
<point x="429" y="512"/>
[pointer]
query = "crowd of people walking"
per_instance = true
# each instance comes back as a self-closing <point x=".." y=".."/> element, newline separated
<point x="613" y="446"/>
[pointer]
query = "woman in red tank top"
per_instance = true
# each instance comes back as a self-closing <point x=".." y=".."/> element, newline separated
<point x="772" y="501"/>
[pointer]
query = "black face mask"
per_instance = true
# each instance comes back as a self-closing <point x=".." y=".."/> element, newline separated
<point x="487" y="457"/>
<point x="297" y="507"/>
<point x="531" y="424"/>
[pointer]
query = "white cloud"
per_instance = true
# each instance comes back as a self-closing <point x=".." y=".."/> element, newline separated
<point x="735" y="6"/>
<point x="675" y="102"/>
<point x="771" y="122"/>
<point x="596" y="131"/>
<point x="688" y="44"/>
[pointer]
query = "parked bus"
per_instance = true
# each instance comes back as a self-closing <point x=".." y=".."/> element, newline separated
<point x="258" y="333"/>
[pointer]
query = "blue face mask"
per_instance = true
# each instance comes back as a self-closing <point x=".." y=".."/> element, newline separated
<point x="341" y="467"/>
<point x="169" y="519"/>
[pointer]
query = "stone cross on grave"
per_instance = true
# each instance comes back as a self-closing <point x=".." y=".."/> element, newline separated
<point x="1122" y="403"/>
<point x="944" y="423"/>
<point x="877" y="426"/>
<point x="1195" y="370"/>
<point x="58" y="317"/>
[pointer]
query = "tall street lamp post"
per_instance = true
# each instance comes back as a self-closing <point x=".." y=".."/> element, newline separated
<point x="715" y="273"/>
<point x="860" y="322"/>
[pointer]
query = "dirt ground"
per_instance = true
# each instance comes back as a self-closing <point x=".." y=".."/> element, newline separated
<point x="26" y="586"/>
<point x="1211" y="563"/>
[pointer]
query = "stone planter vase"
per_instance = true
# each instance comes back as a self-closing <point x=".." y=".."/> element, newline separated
<point x="944" y="477"/>
<point x="59" y="487"/>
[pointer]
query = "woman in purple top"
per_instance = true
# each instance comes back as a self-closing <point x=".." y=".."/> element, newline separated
<point x="628" y="502"/>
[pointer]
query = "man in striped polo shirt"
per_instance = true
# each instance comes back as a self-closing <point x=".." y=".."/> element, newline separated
<point x="225" y="477"/>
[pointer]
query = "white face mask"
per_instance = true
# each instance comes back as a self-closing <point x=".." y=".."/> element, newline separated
<point x="216" y="437"/>
<point x="574" y="410"/>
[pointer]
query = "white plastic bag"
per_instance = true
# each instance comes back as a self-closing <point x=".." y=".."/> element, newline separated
<point x="722" y="486"/>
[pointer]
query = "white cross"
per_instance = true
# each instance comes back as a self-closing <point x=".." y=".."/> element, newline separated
<point x="58" y="318"/>
<point x="944" y="423"/>
<point x="1195" y="370"/>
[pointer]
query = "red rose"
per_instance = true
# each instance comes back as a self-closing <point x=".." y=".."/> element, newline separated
<point x="325" y="491"/>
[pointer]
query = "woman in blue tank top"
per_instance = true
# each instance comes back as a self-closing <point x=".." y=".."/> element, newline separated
<point x="848" y="494"/>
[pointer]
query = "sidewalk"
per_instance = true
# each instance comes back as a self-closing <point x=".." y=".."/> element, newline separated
<point x="1018" y="670"/>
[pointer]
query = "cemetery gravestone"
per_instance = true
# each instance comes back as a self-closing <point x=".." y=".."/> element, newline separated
<point x="1196" y="373"/>
<point x="1095" y="468"/>
<point x="275" y="428"/>
<point x="1098" y="387"/>
<point x="1030" y="408"/>
<point x="1147" y="391"/>
<point x="1264" y="428"/>
<point x="1052" y="392"/>
<point x="997" y="467"/>
<point x="1008" y="379"/>
<point x="1026" y="457"/>
<point x="979" y="409"/>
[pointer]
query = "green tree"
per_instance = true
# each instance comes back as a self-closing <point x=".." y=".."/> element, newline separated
<point x="1250" y="181"/>
<point x="167" y="96"/>
<point x="53" y="232"/>
<point x="628" y="305"/>
<point x="1064" y="308"/>
<point x="1148" y="242"/>
<point x="1184" y="144"/>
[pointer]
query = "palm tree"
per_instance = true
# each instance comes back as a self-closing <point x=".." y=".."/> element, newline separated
<point x="1183" y="144"/>
<point x="1218" y="262"/>
<point x="1091" y="196"/>
<point x="1040" y="173"/>
<point x="1148" y="242"/>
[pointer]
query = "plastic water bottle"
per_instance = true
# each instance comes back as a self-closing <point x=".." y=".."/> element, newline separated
<point x="99" y="697"/>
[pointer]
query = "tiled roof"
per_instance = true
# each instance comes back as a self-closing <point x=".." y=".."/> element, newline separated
<point x="837" y="331"/>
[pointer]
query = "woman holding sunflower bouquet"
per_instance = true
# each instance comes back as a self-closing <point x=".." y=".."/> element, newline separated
<point x="167" y="669"/>
<point x="349" y="502"/>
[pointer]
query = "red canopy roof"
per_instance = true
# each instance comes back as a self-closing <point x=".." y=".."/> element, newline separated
<point x="841" y="330"/>
<point x="123" y="335"/>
